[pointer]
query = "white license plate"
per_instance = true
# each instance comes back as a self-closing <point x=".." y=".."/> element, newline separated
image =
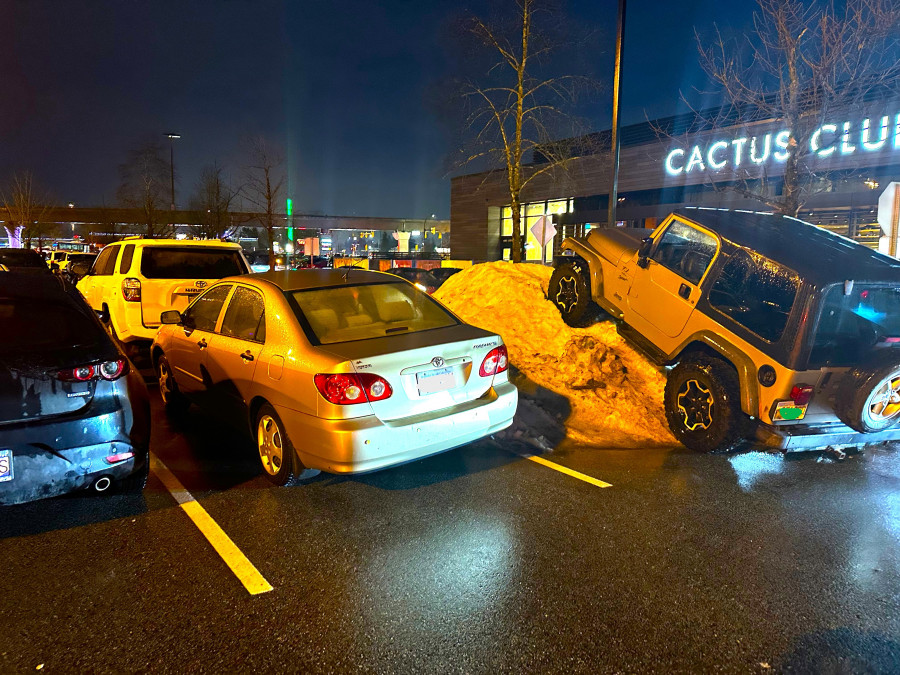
<point x="6" y="465"/>
<point x="433" y="381"/>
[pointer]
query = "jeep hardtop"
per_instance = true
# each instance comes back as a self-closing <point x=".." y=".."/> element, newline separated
<point x="769" y="326"/>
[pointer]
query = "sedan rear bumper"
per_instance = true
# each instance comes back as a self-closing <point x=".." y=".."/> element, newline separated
<point x="367" y="444"/>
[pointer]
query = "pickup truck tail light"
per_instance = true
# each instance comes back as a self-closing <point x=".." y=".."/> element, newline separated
<point x="801" y="394"/>
<point x="351" y="388"/>
<point x="496" y="361"/>
<point x="131" y="290"/>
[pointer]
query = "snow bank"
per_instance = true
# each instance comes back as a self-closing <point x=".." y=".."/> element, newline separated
<point x="586" y="382"/>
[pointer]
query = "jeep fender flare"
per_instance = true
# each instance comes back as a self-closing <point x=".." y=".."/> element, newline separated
<point x="746" y="369"/>
<point x="593" y="261"/>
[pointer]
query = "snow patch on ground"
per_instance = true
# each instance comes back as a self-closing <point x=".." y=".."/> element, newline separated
<point x="581" y="384"/>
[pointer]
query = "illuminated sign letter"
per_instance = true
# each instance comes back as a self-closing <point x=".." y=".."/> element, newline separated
<point x="815" y="143"/>
<point x="768" y="148"/>
<point x="696" y="158"/>
<point x="882" y="134"/>
<point x="711" y="155"/>
<point x="670" y="168"/>
<point x="782" y="140"/>
<point x="738" y="144"/>
<point x="846" y="148"/>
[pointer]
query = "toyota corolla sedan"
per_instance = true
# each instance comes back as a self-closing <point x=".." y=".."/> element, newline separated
<point x="344" y="371"/>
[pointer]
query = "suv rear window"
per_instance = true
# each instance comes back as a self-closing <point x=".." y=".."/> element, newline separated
<point x="349" y="313"/>
<point x="755" y="292"/>
<point x="851" y="325"/>
<point x="160" y="262"/>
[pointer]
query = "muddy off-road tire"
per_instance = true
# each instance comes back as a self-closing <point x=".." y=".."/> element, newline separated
<point x="703" y="404"/>
<point x="570" y="291"/>
<point x="868" y="398"/>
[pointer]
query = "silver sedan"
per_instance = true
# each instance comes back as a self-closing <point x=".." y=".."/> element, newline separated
<point x="343" y="371"/>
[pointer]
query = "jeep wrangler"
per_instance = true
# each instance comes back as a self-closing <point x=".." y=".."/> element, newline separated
<point x="769" y="327"/>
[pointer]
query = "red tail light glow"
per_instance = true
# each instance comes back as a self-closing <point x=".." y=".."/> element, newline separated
<point x="496" y="361"/>
<point x="120" y="457"/>
<point x="801" y="393"/>
<point x="108" y="370"/>
<point x="351" y="388"/>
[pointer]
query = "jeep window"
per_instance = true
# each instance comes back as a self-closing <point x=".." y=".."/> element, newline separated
<point x="163" y="262"/>
<point x="851" y="326"/>
<point x="755" y="292"/>
<point x="204" y="311"/>
<point x="686" y="251"/>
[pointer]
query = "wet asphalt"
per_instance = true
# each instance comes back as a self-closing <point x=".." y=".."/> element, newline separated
<point x="473" y="561"/>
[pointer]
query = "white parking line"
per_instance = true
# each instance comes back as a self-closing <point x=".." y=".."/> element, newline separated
<point x="243" y="569"/>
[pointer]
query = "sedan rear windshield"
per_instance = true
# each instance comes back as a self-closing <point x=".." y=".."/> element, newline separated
<point x="21" y="257"/>
<point x="43" y="326"/>
<point x="349" y="313"/>
<point x="160" y="262"/>
<point x="854" y="321"/>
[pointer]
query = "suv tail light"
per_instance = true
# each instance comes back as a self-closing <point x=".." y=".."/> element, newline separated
<point x="350" y="388"/>
<point x="801" y="393"/>
<point x="131" y="290"/>
<point x="108" y="370"/>
<point x="495" y="362"/>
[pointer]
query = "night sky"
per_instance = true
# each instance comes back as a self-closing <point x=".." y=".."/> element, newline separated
<point x="343" y="85"/>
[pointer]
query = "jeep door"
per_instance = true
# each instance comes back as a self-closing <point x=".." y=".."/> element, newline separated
<point x="234" y="352"/>
<point x="663" y="294"/>
<point x="188" y="343"/>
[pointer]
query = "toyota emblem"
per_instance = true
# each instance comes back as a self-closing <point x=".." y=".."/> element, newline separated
<point x="201" y="284"/>
<point x="437" y="362"/>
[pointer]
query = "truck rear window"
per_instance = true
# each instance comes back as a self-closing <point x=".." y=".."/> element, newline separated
<point x="349" y="313"/>
<point x="159" y="262"/>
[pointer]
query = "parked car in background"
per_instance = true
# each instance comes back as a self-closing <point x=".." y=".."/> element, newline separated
<point x="422" y="279"/>
<point x="77" y="266"/>
<point x="73" y="413"/>
<point x="133" y="281"/>
<point x="444" y="273"/>
<point x="23" y="260"/>
<point x="336" y="372"/>
<point x="58" y="258"/>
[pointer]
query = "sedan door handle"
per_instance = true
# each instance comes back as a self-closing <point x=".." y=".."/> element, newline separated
<point x="684" y="291"/>
<point x="247" y="356"/>
<point x="202" y="343"/>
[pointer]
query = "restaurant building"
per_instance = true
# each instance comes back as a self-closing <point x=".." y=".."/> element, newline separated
<point x="674" y="162"/>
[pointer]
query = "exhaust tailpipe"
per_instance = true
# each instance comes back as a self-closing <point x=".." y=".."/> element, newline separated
<point x="102" y="484"/>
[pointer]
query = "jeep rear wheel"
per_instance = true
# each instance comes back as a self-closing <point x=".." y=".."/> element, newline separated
<point x="570" y="291"/>
<point x="702" y="403"/>
<point x="868" y="398"/>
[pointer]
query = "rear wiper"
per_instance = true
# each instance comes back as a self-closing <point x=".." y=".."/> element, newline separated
<point x="397" y="329"/>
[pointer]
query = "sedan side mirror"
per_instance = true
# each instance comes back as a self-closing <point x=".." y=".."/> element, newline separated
<point x="170" y="316"/>
<point x="644" y="251"/>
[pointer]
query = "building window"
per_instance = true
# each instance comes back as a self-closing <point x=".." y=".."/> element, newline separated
<point x="530" y="213"/>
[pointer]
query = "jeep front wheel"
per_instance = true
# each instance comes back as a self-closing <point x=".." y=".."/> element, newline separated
<point x="570" y="291"/>
<point x="702" y="403"/>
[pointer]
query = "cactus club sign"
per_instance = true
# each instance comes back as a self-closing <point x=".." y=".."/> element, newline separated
<point x="872" y="134"/>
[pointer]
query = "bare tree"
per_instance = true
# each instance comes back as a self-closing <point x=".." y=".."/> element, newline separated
<point x="803" y="62"/>
<point x="213" y="200"/>
<point x="516" y="108"/>
<point x="263" y="183"/>
<point x="27" y="206"/>
<point x="144" y="186"/>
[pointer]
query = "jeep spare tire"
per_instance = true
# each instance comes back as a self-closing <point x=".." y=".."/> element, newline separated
<point x="868" y="398"/>
<point x="570" y="291"/>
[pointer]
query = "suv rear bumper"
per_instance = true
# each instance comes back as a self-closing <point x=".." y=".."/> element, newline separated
<point x="810" y="438"/>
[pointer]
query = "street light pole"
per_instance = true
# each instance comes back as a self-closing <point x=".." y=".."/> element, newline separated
<point x="172" y="138"/>
<point x="614" y="144"/>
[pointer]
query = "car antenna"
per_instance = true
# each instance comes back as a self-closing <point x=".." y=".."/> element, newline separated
<point x="347" y="273"/>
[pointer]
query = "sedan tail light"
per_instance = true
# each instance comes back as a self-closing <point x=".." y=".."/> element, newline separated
<point x="131" y="290"/>
<point x="107" y="370"/>
<point x="496" y="361"/>
<point x="350" y="388"/>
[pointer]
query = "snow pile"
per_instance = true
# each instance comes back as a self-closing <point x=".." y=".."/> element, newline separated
<point x="584" y="384"/>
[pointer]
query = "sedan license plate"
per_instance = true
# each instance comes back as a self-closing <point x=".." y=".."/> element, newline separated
<point x="433" y="381"/>
<point x="6" y="465"/>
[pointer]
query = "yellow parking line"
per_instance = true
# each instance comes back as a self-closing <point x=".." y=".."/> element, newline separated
<point x="569" y="472"/>
<point x="243" y="569"/>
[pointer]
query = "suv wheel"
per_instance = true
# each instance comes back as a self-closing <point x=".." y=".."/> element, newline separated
<point x="868" y="399"/>
<point x="702" y="404"/>
<point x="570" y="291"/>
